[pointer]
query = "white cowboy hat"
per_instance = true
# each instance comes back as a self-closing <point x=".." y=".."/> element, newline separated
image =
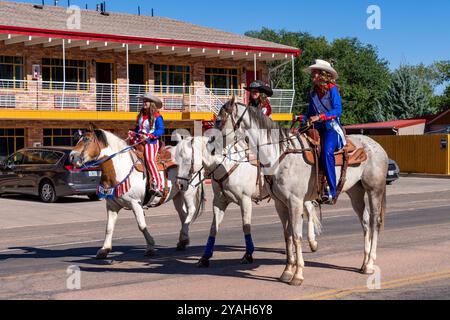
<point x="322" y="65"/>
<point x="147" y="96"/>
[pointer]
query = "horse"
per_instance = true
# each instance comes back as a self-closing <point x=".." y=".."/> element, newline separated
<point x="292" y="182"/>
<point x="119" y="163"/>
<point x="234" y="180"/>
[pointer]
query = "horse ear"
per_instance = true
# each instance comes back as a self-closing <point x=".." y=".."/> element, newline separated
<point x="92" y="127"/>
<point x="232" y="100"/>
<point x="78" y="135"/>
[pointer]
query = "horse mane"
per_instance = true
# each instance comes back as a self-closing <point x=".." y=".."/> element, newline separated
<point x="101" y="137"/>
<point x="265" y="123"/>
<point x="110" y="140"/>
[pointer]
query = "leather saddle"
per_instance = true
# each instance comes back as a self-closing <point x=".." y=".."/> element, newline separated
<point x="164" y="158"/>
<point x="356" y="156"/>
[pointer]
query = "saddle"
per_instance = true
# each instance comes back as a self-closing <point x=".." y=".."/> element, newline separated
<point x="356" y="156"/>
<point x="164" y="158"/>
<point x="164" y="161"/>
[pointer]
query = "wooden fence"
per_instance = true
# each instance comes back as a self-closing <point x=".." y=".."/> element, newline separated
<point x="418" y="154"/>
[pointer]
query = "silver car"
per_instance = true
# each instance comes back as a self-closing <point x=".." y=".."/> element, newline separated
<point x="47" y="173"/>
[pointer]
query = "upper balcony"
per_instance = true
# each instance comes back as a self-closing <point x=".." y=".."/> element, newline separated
<point x="123" y="98"/>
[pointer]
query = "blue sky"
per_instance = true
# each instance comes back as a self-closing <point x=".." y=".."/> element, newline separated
<point x="412" y="31"/>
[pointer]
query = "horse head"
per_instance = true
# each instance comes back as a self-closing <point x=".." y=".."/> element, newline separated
<point x="89" y="146"/>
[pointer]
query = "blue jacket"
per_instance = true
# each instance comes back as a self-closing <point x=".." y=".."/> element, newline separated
<point x="328" y="108"/>
<point x="153" y="134"/>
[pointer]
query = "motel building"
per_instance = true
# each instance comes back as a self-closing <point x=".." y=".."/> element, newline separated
<point x="61" y="69"/>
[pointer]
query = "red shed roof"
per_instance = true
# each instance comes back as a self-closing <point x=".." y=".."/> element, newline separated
<point x="388" y="125"/>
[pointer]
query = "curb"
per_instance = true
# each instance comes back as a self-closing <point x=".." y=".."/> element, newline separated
<point x="424" y="175"/>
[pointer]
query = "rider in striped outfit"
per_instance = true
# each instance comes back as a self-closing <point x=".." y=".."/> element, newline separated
<point x="150" y="127"/>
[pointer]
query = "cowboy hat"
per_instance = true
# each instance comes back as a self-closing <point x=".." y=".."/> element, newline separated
<point x="149" y="97"/>
<point x="322" y="65"/>
<point x="261" y="87"/>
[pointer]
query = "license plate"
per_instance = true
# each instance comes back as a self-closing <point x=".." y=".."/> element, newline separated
<point x="93" y="173"/>
<point x="391" y="173"/>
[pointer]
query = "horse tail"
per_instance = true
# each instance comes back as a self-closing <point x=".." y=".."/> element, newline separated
<point x="200" y="200"/>
<point x="311" y="211"/>
<point x="317" y="223"/>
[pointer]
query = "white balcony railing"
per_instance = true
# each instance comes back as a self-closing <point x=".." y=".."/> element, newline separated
<point x="45" y="95"/>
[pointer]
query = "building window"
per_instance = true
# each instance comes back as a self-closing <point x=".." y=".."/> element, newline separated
<point x="59" y="137"/>
<point x="167" y="137"/>
<point x="53" y="76"/>
<point x="11" y="140"/>
<point x="11" y="71"/>
<point x="220" y="78"/>
<point x="172" y="79"/>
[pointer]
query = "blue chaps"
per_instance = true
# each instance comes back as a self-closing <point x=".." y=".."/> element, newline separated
<point x="330" y="143"/>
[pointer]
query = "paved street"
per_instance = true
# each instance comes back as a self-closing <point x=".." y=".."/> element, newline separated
<point x="39" y="241"/>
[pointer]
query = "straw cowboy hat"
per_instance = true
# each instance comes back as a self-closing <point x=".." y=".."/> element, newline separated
<point x="261" y="87"/>
<point x="149" y="97"/>
<point x="322" y="65"/>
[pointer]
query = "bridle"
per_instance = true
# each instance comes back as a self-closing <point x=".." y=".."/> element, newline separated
<point x="97" y="162"/>
<point x="229" y="110"/>
<point x="192" y="173"/>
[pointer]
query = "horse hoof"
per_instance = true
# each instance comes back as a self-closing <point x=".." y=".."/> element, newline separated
<point x="247" y="259"/>
<point x="203" y="263"/>
<point x="367" y="270"/>
<point x="296" y="282"/>
<point x="286" y="277"/>
<point x="102" y="254"/>
<point x="314" y="246"/>
<point x="182" y="245"/>
<point x="149" y="252"/>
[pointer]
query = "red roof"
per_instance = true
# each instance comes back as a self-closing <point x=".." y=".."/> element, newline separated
<point x="388" y="125"/>
<point x="52" y="21"/>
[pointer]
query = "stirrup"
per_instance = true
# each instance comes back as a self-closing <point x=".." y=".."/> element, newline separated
<point x="327" y="199"/>
<point x="157" y="193"/>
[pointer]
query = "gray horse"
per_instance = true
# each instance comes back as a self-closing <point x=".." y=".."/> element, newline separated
<point x="234" y="180"/>
<point x="293" y="182"/>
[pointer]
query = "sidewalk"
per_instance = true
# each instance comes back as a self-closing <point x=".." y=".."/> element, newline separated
<point x="425" y="175"/>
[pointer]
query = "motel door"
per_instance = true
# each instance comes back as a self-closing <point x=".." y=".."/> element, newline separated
<point x="137" y="85"/>
<point x="250" y="77"/>
<point x="105" y="86"/>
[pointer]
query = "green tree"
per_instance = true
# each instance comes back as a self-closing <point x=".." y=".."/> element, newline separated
<point x="405" y="98"/>
<point x="364" y="76"/>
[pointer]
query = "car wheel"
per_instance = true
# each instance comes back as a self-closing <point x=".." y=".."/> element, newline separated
<point x="47" y="192"/>
<point x="93" y="197"/>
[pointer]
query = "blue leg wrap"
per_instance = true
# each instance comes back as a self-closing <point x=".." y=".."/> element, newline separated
<point x="209" y="248"/>
<point x="249" y="246"/>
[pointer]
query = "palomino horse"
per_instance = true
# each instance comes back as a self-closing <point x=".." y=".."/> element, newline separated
<point x="130" y="193"/>
<point x="235" y="180"/>
<point x="293" y="182"/>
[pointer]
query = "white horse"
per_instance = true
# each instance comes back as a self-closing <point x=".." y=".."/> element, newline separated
<point x="119" y="175"/>
<point x="293" y="182"/>
<point x="234" y="180"/>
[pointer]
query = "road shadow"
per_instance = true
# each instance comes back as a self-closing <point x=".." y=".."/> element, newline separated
<point x="167" y="261"/>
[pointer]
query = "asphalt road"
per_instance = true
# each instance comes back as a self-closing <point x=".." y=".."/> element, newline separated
<point x="38" y="242"/>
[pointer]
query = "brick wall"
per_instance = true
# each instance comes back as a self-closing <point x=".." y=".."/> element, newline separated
<point x="34" y="54"/>
<point x="34" y="129"/>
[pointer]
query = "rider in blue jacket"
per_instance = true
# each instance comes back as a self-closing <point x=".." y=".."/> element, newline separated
<point x="325" y="109"/>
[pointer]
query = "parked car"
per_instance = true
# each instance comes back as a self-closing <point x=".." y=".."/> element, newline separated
<point x="46" y="172"/>
<point x="393" y="172"/>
